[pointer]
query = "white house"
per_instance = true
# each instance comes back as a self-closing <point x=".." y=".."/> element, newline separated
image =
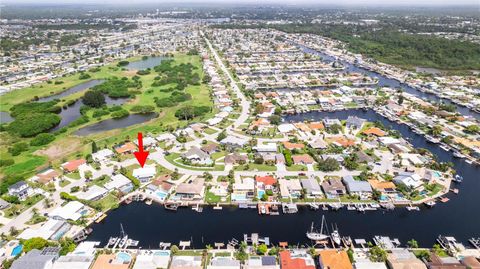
<point x="145" y="173"/>
<point x="102" y="155"/>
<point x="21" y="190"/>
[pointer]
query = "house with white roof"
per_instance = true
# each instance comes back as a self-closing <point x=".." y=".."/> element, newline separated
<point x="119" y="182"/>
<point x="102" y="155"/>
<point x="93" y="193"/>
<point x="73" y="210"/>
<point x="411" y="180"/>
<point x="145" y="173"/>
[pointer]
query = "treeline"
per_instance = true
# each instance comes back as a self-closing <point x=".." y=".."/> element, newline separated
<point x="119" y="87"/>
<point x="33" y="118"/>
<point x="393" y="47"/>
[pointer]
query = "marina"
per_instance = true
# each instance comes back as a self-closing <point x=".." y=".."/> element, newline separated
<point x="424" y="226"/>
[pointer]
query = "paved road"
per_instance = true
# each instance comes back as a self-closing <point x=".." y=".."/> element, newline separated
<point x="19" y="221"/>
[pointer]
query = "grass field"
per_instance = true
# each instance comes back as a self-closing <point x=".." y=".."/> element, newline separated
<point x="67" y="146"/>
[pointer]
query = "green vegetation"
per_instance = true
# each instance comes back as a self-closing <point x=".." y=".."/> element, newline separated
<point x="93" y="99"/>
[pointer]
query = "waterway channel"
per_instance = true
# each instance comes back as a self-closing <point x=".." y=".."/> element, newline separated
<point x="459" y="217"/>
<point x="384" y="81"/>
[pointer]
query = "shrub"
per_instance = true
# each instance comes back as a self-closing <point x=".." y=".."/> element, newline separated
<point x="120" y="114"/>
<point x="42" y="139"/>
<point x="84" y="76"/>
<point x="6" y="162"/>
<point x="93" y="98"/>
<point x="18" y="148"/>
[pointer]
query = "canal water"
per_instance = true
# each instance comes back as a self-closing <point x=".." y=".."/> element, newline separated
<point x="384" y="81"/>
<point x="111" y="124"/>
<point x="460" y="217"/>
<point x="5" y="117"/>
<point x="150" y="62"/>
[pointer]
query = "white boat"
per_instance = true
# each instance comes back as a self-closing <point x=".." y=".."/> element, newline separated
<point x="413" y="208"/>
<point x="335" y="236"/>
<point x="313" y="206"/>
<point x="457" y="154"/>
<point x="458" y="178"/>
<point x="317" y="236"/>
<point x="444" y="147"/>
<point x="430" y="203"/>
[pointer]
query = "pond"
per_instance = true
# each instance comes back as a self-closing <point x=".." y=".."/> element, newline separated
<point x="111" y="124"/>
<point x="153" y="224"/>
<point x="150" y="62"/>
<point x="5" y="117"/>
<point x="72" y="90"/>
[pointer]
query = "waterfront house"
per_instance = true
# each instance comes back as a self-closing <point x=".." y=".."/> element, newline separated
<point x="383" y="186"/>
<point x="357" y="187"/>
<point x="303" y="159"/>
<point x="52" y="229"/>
<point x="296" y="259"/>
<point x="120" y="260"/>
<point x="126" y="148"/>
<point x="402" y="258"/>
<point x="120" y="183"/>
<point x="145" y="173"/>
<point x="333" y="188"/>
<point x="161" y="187"/>
<point x="74" y="262"/>
<point x="197" y="156"/>
<point x="411" y="180"/>
<point x="266" y="182"/>
<point x="102" y="155"/>
<point x="37" y="259"/>
<point x="437" y="262"/>
<point x="333" y="258"/>
<point x="243" y="189"/>
<point x="224" y="263"/>
<point x="191" y="191"/>
<point x="73" y="210"/>
<point x="312" y="188"/>
<point x="366" y="264"/>
<point x="290" y="188"/>
<point x="262" y="262"/>
<point x="374" y="131"/>
<point x="152" y="259"/>
<point x="354" y="122"/>
<point x="471" y="262"/>
<point x="286" y="128"/>
<point x="73" y="165"/>
<point x="21" y="190"/>
<point x="186" y="262"/>
<point x="330" y="122"/>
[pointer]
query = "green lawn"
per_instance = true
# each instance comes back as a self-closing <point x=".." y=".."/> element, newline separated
<point x="106" y="203"/>
<point x="212" y="198"/>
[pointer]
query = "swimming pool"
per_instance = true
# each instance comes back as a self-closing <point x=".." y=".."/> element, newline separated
<point x="239" y="197"/>
<point x="161" y="195"/>
<point x="16" y="250"/>
<point x="124" y="257"/>
<point x="161" y="253"/>
<point x="260" y="193"/>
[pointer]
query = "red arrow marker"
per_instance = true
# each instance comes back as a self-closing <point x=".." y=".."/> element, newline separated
<point x="140" y="154"/>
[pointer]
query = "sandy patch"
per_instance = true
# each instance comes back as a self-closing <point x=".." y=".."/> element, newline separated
<point x="60" y="149"/>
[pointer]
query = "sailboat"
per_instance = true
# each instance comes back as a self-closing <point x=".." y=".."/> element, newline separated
<point x="317" y="236"/>
<point x="124" y="238"/>
<point x="335" y="236"/>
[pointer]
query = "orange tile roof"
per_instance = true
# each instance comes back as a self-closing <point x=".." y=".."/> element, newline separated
<point x="302" y="159"/>
<point x="344" y="142"/>
<point x="335" y="259"/>
<point x="291" y="146"/>
<point x="302" y="126"/>
<point x="374" y="131"/>
<point x="73" y="165"/>
<point x="287" y="262"/>
<point x="127" y="147"/>
<point x="381" y="185"/>
<point x="266" y="180"/>
<point x="316" y="126"/>
<point x="105" y="261"/>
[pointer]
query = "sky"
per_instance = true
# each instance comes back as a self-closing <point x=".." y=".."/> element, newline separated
<point x="263" y="2"/>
